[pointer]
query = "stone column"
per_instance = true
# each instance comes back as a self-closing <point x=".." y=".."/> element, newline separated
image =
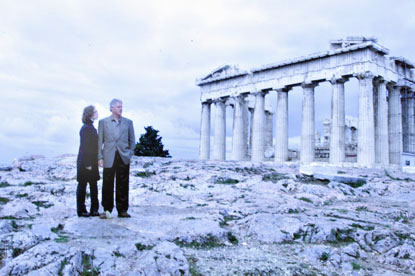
<point x="219" y="148"/>
<point x="326" y="134"/>
<point x="245" y="115"/>
<point x="233" y="124"/>
<point x="411" y="121"/>
<point x="338" y="122"/>
<point x="251" y="120"/>
<point x="258" y="128"/>
<point x="239" y="134"/>
<point x="381" y="123"/>
<point x="405" y="127"/>
<point x="395" y="124"/>
<point x="281" y="126"/>
<point x="268" y="128"/>
<point x="307" y="124"/>
<point x="204" y="151"/>
<point x="366" y="128"/>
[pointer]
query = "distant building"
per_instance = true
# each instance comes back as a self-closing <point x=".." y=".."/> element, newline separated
<point x="322" y="143"/>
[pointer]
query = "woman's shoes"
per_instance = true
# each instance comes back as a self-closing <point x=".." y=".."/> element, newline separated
<point x="86" y="214"/>
<point x="83" y="214"/>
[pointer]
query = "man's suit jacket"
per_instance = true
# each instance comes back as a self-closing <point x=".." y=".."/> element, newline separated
<point x="109" y="142"/>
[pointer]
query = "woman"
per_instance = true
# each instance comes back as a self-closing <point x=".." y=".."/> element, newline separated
<point x="87" y="163"/>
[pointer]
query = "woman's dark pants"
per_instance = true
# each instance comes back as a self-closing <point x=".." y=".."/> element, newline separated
<point x="80" y="196"/>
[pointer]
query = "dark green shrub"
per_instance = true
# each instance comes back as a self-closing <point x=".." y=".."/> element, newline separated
<point x="150" y="144"/>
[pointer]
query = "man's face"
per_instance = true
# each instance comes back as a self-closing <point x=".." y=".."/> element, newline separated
<point x="116" y="109"/>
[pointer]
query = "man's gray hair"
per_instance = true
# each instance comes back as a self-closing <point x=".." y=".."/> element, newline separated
<point x="114" y="102"/>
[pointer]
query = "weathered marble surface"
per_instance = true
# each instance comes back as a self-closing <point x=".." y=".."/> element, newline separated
<point x="210" y="218"/>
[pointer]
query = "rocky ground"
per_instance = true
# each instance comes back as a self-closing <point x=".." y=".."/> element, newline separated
<point x="210" y="218"/>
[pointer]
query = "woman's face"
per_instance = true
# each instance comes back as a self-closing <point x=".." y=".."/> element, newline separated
<point x="95" y="116"/>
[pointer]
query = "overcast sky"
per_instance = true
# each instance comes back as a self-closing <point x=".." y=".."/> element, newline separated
<point x="56" y="57"/>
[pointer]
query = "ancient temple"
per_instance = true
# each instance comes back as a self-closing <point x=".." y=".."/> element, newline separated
<point x="386" y="122"/>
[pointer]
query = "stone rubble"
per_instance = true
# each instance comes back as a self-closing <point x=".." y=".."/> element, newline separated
<point x="210" y="218"/>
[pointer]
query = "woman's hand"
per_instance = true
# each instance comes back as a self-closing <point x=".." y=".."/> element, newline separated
<point x="89" y="168"/>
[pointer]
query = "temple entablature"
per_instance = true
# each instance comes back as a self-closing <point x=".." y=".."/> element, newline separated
<point x="356" y="56"/>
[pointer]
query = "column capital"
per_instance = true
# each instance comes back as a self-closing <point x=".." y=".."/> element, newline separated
<point x="283" y="89"/>
<point x="406" y="84"/>
<point x="338" y="79"/>
<point x="392" y="85"/>
<point x="379" y="80"/>
<point x="407" y="93"/>
<point x="207" y="101"/>
<point x="365" y="75"/>
<point x="241" y="98"/>
<point x="263" y="92"/>
<point x="220" y="100"/>
<point x="309" y="84"/>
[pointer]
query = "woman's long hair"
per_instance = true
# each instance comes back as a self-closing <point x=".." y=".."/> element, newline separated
<point x="88" y="113"/>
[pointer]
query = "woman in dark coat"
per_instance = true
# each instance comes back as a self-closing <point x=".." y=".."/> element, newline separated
<point x="87" y="164"/>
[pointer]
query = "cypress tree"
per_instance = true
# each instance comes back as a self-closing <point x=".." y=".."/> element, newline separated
<point x="150" y="144"/>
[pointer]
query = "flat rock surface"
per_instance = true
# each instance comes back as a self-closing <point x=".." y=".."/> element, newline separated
<point x="210" y="218"/>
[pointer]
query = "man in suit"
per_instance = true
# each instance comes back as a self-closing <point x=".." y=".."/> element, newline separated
<point x="116" y="143"/>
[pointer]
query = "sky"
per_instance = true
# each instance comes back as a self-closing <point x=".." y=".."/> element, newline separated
<point x="56" y="57"/>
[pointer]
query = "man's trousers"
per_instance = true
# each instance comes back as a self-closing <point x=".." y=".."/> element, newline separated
<point x="121" y="172"/>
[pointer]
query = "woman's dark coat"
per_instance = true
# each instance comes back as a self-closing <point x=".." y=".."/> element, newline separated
<point x="88" y="154"/>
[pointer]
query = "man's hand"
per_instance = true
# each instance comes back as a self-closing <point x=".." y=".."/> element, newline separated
<point x="89" y="168"/>
<point x="101" y="163"/>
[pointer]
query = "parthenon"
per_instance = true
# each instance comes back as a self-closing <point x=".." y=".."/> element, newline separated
<point x="386" y="121"/>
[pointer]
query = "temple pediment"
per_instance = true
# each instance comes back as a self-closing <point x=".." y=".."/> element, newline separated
<point x="350" y="41"/>
<point x="222" y="72"/>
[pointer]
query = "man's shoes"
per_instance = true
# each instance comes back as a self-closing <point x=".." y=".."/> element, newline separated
<point x="105" y="215"/>
<point x="94" y="214"/>
<point x="83" y="214"/>
<point x="124" y="215"/>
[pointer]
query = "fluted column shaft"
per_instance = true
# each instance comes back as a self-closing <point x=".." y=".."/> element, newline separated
<point x="366" y="128"/>
<point x="381" y="123"/>
<point x="219" y="149"/>
<point x="239" y="133"/>
<point x="245" y="118"/>
<point x="281" y="126"/>
<point x="268" y="128"/>
<point x="307" y="124"/>
<point x="258" y="128"/>
<point x="411" y="121"/>
<point x="233" y="127"/>
<point x="395" y="124"/>
<point x="405" y="126"/>
<point x="251" y="120"/>
<point x="338" y="122"/>
<point x="204" y="150"/>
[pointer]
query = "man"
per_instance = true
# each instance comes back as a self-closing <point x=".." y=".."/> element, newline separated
<point x="116" y="143"/>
